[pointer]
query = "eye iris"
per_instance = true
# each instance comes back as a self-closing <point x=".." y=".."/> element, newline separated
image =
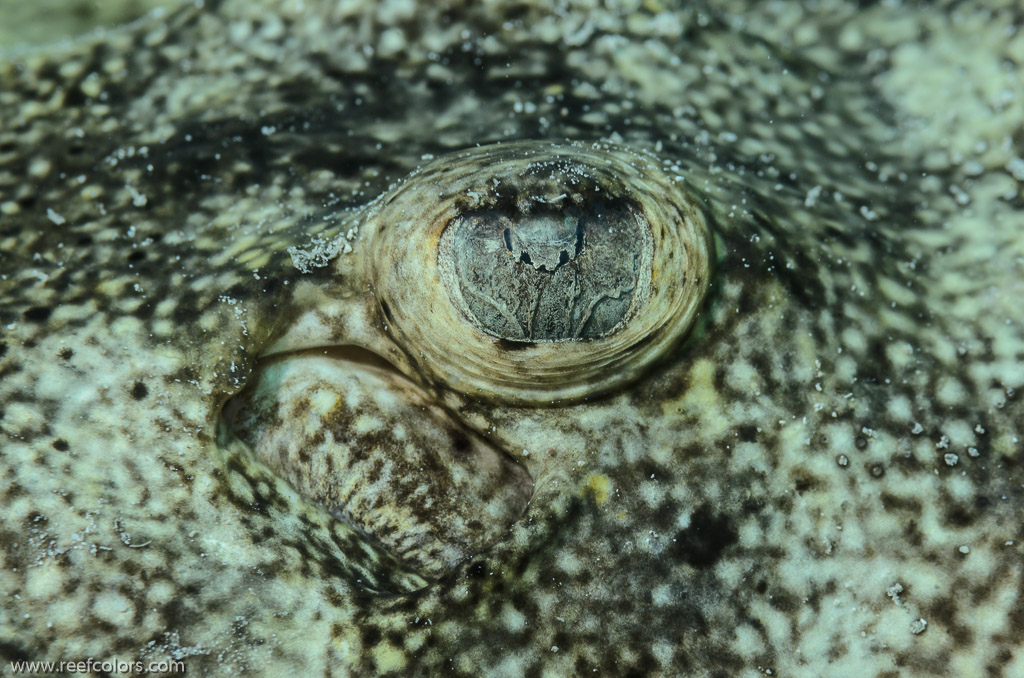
<point x="547" y="273"/>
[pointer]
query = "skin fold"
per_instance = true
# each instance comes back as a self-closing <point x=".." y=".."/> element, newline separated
<point x="820" y="475"/>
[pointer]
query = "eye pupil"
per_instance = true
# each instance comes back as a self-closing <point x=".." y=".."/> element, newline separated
<point x="547" y="275"/>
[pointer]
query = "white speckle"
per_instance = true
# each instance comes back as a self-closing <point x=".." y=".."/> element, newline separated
<point x="965" y="549"/>
<point x="54" y="217"/>
<point x="951" y="459"/>
<point x="894" y="592"/>
<point x="868" y="213"/>
<point x="316" y="255"/>
<point x="918" y="626"/>
<point x="959" y="195"/>
<point x="917" y="428"/>
<point x="1016" y="168"/>
<point x="138" y="199"/>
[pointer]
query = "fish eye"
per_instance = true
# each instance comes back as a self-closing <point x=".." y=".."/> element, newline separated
<point x="525" y="274"/>
<point x="535" y="272"/>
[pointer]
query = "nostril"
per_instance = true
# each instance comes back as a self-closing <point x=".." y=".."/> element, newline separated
<point x="352" y="434"/>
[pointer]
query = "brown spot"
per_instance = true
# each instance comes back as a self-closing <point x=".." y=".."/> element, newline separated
<point x="804" y="482"/>
<point x="139" y="391"/>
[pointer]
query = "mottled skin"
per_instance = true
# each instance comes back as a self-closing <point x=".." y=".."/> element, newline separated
<point x="743" y="508"/>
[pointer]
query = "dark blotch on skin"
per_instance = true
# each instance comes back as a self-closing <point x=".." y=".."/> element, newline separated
<point x="14" y="652"/>
<point x="960" y="516"/>
<point x="65" y="353"/>
<point x="702" y="543"/>
<point x="509" y="345"/>
<point x="61" y="445"/>
<point x="139" y="391"/>
<point x="805" y="482"/>
<point x="748" y="434"/>
<point x="37" y="314"/>
<point x="459" y="441"/>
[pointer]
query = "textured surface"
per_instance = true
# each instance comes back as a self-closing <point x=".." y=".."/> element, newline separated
<point x="377" y="452"/>
<point x="548" y="276"/>
<point x="45" y="21"/>
<point x="825" y="479"/>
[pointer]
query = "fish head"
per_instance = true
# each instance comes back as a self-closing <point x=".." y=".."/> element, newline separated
<point x="294" y="374"/>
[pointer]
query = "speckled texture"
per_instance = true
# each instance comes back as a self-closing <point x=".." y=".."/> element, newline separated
<point x="831" y="457"/>
<point x="46" y="21"/>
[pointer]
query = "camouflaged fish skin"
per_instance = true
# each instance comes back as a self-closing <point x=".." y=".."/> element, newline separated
<point x="823" y="478"/>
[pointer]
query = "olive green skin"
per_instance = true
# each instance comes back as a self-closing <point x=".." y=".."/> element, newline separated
<point x="829" y="456"/>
